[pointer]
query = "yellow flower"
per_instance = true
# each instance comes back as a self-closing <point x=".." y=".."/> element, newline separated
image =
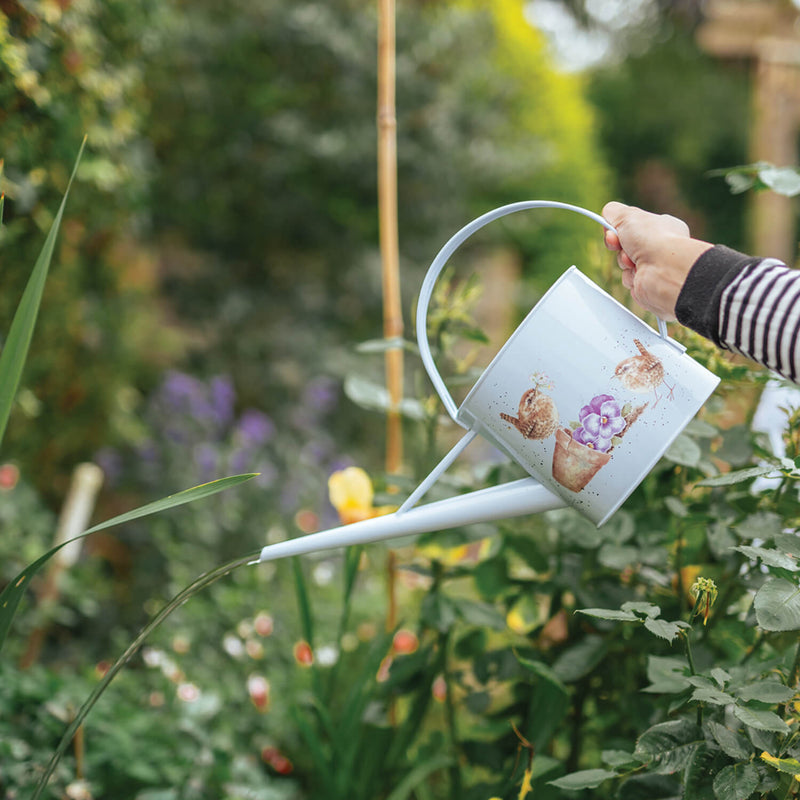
<point x="704" y="593"/>
<point x="351" y="494"/>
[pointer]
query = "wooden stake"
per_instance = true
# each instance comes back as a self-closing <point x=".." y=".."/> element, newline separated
<point x="388" y="229"/>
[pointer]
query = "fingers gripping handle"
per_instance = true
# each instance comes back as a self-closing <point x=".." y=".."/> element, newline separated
<point x="442" y="258"/>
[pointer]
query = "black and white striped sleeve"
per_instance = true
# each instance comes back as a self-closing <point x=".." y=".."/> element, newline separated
<point x="749" y="305"/>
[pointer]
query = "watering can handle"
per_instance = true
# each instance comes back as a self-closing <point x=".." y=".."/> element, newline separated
<point x="442" y="258"/>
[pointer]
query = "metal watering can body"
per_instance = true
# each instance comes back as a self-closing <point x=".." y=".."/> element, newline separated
<point x="584" y="395"/>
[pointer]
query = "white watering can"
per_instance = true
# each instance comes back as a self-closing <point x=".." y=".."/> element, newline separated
<point x="584" y="395"/>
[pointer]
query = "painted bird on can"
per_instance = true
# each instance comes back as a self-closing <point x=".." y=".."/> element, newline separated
<point x="538" y="416"/>
<point x="643" y="373"/>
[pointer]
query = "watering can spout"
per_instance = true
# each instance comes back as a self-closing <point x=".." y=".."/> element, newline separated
<point x="518" y="498"/>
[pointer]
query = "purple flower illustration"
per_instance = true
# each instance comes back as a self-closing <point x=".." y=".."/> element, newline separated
<point x="600" y="421"/>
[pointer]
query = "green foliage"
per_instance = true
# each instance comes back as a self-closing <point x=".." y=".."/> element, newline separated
<point x="72" y="70"/>
<point x="760" y="176"/>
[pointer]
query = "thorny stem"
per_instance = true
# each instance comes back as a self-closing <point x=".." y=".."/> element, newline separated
<point x="206" y="579"/>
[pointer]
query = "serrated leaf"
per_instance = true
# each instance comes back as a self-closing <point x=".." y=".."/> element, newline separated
<point x="790" y="766"/>
<point x="668" y="746"/>
<point x="789" y="543"/>
<point x="733" y="744"/>
<point x="14" y="591"/>
<point x="738" y="476"/>
<point x="639" y="607"/>
<point x="759" y="719"/>
<point x="761" y="525"/>
<point x="720" y="676"/>
<point x="663" y="629"/>
<point x="708" y="694"/>
<point x="736" y="782"/>
<point x="609" y="614"/>
<point x="585" y="779"/>
<point x="766" y="692"/>
<point x="770" y="556"/>
<point x="777" y="605"/>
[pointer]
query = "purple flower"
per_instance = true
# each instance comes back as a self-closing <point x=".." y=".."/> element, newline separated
<point x="255" y="428"/>
<point x="601" y="420"/>
<point x="223" y="398"/>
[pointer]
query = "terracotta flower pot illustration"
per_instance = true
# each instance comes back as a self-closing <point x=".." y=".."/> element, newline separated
<point x="581" y="452"/>
<point x="575" y="464"/>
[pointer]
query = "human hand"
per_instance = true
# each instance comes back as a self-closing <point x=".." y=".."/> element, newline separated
<point x="655" y="252"/>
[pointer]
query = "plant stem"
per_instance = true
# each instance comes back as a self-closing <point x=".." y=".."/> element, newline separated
<point x="794" y="675"/>
<point x="450" y="712"/>
<point x="206" y="579"/>
<point x="693" y="671"/>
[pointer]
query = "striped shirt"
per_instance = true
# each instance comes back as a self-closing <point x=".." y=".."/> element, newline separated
<point x="745" y="304"/>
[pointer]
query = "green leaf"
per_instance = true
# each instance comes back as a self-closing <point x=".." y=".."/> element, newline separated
<point x="581" y="658"/>
<point x="619" y="759"/>
<point x="12" y="594"/>
<point x="777" y="605"/>
<point x="609" y="614"/>
<point x="761" y="525"/>
<point x="766" y="692"/>
<point x="668" y="746"/>
<point x="738" y="183"/>
<point x="759" y="719"/>
<point x="788" y="542"/>
<point x="736" y="782"/>
<point x="663" y="629"/>
<point x="542" y="670"/>
<point x="585" y="779"/>
<point x="733" y="744"/>
<point x="720" y="676"/>
<point x="684" y="451"/>
<point x="666" y="675"/>
<point x="645" y="609"/>
<point x="782" y="180"/>
<point x="15" y="347"/>
<point x="789" y="766"/>
<point x="303" y="601"/>
<point x="375" y="397"/>
<point x="419" y="775"/>
<point x="382" y="345"/>
<point x="707" y="694"/>
<point x="740" y="475"/>
<point x="770" y="557"/>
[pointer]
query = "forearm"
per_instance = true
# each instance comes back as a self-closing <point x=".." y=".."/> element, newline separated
<point x="745" y="304"/>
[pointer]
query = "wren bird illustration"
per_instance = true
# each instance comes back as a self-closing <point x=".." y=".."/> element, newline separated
<point x="642" y="373"/>
<point x="538" y="416"/>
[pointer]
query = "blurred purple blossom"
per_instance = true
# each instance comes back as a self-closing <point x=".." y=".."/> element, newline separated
<point x="320" y="394"/>
<point x="255" y="428"/>
<point x="110" y="461"/>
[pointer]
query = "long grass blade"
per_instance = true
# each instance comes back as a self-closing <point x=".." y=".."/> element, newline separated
<point x="15" y="347"/>
<point x="12" y="594"/>
<point x="206" y="579"/>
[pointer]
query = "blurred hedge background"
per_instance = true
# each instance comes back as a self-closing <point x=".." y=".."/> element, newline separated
<point x="219" y="262"/>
